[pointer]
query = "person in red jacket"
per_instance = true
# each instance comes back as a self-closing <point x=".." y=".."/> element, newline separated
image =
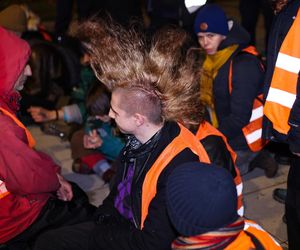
<point x="33" y="195"/>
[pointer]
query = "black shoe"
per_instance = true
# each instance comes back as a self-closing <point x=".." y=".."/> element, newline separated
<point x="279" y="194"/>
<point x="265" y="161"/>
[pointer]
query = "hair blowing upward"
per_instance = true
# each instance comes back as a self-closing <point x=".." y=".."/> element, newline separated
<point x="164" y="69"/>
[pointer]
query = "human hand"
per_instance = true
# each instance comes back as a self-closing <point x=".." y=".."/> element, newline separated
<point x="40" y="114"/>
<point x="65" y="192"/>
<point x="92" y="140"/>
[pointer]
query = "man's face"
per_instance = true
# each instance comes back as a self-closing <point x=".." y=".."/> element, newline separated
<point x="210" y="41"/>
<point x="124" y="120"/>
<point x="19" y="85"/>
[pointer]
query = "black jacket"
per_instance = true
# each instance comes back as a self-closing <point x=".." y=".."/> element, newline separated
<point x="218" y="153"/>
<point x="113" y="232"/>
<point x="234" y="111"/>
<point x="279" y="30"/>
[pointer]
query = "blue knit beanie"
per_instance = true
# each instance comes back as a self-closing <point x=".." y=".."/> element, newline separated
<point x="211" y="18"/>
<point x="200" y="198"/>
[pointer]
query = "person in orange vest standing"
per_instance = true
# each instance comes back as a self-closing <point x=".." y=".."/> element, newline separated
<point x="134" y="216"/>
<point x="282" y="104"/>
<point x="203" y="211"/>
<point x="231" y="87"/>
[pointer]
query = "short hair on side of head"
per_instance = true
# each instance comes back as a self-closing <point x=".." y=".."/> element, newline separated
<point x="98" y="100"/>
<point x="138" y="99"/>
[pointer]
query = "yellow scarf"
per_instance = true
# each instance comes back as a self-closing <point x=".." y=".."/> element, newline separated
<point x="211" y="66"/>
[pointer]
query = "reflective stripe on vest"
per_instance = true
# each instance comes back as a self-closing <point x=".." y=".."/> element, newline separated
<point x="206" y="129"/>
<point x="283" y="88"/>
<point x="245" y="242"/>
<point x="31" y="143"/>
<point x="185" y="139"/>
<point x="253" y="130"/>
<point x="262" y="236"/>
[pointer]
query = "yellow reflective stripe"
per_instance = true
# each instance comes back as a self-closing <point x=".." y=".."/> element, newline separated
<point x="281" y="97"/>
<point x="288" y="63"/>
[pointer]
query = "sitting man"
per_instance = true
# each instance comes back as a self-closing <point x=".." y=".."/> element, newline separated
<point x="28" y="179"/>
<point x="134" y="214"/>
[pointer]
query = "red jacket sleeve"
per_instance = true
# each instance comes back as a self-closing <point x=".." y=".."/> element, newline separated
<point x="23" y="169"/>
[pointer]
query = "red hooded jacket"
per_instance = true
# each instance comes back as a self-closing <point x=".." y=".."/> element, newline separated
<point x="27" y="175"/>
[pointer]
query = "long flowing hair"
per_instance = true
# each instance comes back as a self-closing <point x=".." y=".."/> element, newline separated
<point x="164" y="68"/>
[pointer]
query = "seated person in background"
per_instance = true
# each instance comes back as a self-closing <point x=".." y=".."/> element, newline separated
<point x="14" y="18"/>
<point x="33" y="195"/>
<point x="98" y="135"/>
<point x="231" y="87"/>
<point x="201" y="202"/>
<point x="75" y="112"/>
<point x="20" y="19"/>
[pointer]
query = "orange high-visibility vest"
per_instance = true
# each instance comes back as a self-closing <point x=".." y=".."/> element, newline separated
<point x="283" y="88"/>
<point x="31" y="143"/>
<point x="206" y="129"/>
<point x="185" y="139"/>
<point x="253" y="130"/>
<point x="245" y="242"/>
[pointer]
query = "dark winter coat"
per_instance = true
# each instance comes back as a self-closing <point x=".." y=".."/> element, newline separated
<point x="234" y="110"/>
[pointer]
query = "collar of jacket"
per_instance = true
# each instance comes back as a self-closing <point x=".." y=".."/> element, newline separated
<point x="134" y="149"/>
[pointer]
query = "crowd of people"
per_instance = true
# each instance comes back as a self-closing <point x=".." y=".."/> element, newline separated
<point x="172" y="126"/>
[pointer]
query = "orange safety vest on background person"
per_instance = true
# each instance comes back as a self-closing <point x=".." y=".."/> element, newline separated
<point x="206" y="129"/>
<point x="283" y="88"/>
<point x="253" y="237"/>
<point x="185" y="139"/>
<point x="253" y="130"/>
<point x="31" y="143"/>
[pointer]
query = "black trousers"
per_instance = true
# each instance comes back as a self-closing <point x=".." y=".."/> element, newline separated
<point x="75" y="237"/>
<point x="249" y="11"/>
<point x="55" y="214"/>
<point x="292" y="206"/>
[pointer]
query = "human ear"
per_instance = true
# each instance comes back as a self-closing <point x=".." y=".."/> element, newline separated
<point x="139" y="119"/>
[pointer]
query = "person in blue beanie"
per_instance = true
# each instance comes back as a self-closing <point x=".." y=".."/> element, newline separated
<point x="201" y="202"/>
<point x="231" y="87"/>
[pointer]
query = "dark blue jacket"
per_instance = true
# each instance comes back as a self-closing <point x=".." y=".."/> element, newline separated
<point x="234" y="110"/>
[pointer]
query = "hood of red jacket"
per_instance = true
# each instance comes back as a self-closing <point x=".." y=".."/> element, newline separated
<point x="14" y="53"/>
